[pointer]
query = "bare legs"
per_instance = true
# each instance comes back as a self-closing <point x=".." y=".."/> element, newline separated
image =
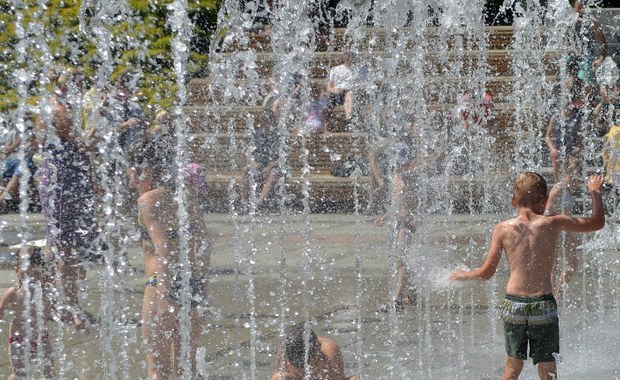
<point x="268" y="176"/>
<point x="513" y="368"/>
<point x="70" y="272"/>
<point x="196" y="327"/>
<point x="569" y="245"/>
<point x="546" y="370"/>
<point x="402" y="274"/>
<point x="161" y="333"/>
<point x="267" y="186"/>
<point x="18" y="354"/>
<point x="156" y="364"/>
<point x="348" y="105"/>
<point x="377" y="182"/>
<point x="405" y="295"/>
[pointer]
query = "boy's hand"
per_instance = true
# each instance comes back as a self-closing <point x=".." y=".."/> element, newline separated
<point x="595" y="183"/>
<point x="458" y="275"/>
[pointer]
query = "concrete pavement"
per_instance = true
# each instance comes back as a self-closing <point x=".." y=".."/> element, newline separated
<point x="334" y="269"/>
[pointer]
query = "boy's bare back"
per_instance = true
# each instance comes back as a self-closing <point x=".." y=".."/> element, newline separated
<point x="529" y="241"/>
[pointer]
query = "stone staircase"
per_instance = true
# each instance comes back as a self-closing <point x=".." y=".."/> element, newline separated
<point x="221" y="116"/>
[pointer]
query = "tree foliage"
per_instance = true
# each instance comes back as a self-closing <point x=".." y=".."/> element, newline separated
<point x="98" y="39"/>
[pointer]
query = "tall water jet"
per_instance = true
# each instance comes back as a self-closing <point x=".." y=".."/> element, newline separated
<point x="306" y="256"/>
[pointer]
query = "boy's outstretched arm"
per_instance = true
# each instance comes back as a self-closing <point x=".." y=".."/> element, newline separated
<point x="596" y="221"/>
<point x="487" y="270"/>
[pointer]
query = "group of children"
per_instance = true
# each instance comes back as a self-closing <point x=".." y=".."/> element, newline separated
<point x="529" y="309"/>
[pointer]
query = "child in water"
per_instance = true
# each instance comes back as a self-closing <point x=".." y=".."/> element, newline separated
<point x="529" y="310"/>
<point x="31" y="304"/>
<point x="562" y="201"/>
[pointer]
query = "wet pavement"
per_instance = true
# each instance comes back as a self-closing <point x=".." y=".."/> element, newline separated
<point x="334" y="270"/>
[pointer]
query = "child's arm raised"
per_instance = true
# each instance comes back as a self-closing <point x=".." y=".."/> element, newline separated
<point x="487" y="270"/>
<point x="554" y="196"/>
<point x="549" y="137"/>
<point x="596" y="221"/>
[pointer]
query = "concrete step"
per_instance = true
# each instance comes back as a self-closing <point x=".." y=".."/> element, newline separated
<point x="377" y="38"/>
<point x="327" y="193"/>
<point x="252" y="92"/>
<point x="318" y="64"/>
<point x="232" y="119"/>
<point x="314" y="154"/>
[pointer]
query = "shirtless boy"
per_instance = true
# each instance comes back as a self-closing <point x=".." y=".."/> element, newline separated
<point x="529" y="310"/>
<point x="324" y="357"/>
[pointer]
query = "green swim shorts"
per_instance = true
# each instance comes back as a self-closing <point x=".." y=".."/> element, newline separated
<point x="533" y="321"/>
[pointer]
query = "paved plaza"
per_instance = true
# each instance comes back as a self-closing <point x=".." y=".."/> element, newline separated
<point x="334" y="270"/>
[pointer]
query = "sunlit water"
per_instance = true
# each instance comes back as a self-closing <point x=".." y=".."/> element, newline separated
<point x="272" y="270"/>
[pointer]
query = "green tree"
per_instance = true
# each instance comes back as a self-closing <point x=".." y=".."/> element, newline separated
<point x="98" y="38"/>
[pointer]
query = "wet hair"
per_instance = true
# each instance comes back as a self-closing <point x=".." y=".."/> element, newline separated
<point x="195" y="178"/>
<point x="162" y="117"/>
<point x="295" y="345"/>
<point x="68" y="75"/>
<point x="529" y="189"/>
<point x="151" y="153"/>
<point x="583" y="3"/>
<point x="349" y="56"/>
<point x="33" y="254"/>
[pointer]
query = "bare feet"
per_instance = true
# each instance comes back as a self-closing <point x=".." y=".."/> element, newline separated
<point x="397" y="306"/>
<point x="379" y="221"/>
<point x="82" y="325"/>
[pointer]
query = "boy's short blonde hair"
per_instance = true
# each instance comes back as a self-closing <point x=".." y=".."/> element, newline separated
<point x="529" y="189"/>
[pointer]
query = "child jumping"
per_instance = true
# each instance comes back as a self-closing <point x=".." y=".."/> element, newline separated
<point x="529" y="309"/>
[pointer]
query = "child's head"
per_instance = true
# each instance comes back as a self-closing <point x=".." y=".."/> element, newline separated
<point x="295" y="345"/>
<point x="194" y="175"/>
<point x="152" y="161"/>
<point x="29" y="260"/>
<point x="162" y="118"/>
<point x="467" y="95"/>
<point x="487" y="98"/>
<point x="529" y="189"/>
<point x="348" y="57"/>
